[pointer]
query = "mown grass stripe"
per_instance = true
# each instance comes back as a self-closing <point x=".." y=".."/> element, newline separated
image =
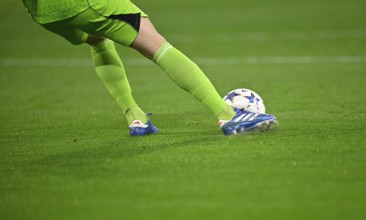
<point x="209" y="61"/>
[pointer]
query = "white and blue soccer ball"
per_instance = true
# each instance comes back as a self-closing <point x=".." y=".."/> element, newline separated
<point x="245" y="99"/>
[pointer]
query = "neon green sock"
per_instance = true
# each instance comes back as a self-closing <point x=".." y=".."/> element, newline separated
<point x="226" y="114"/>
<point x="111" y="71"/>
<point x="190" y="77"/>
<point x="135" y="113"/>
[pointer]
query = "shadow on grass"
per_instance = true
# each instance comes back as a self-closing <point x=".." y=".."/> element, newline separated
<point x="107" y="144"/>
<point x="122" y="148"/>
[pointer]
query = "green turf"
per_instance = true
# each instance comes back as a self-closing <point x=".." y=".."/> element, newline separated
<point x="65" y="152"/>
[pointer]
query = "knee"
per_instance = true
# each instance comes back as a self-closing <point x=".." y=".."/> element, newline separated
<point x="148" y="40"/>
<point x="148" y="45"/>
<point x="92" y="40"/>
<point x="76" y="42"/>
<point x="78" y="39"/>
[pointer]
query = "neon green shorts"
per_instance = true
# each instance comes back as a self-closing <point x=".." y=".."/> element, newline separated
<point x="119" y="22"/>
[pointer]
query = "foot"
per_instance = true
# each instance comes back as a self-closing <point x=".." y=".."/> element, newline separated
<point x="137" y="128"/>
<point x="245" y="122"/>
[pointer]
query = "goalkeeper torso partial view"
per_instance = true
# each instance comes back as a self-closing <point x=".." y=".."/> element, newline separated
<point x="47" y="11"/>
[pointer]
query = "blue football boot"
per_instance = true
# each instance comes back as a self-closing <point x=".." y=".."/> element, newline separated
<point x="245" y="122"/>
<point x="137" y="128"/>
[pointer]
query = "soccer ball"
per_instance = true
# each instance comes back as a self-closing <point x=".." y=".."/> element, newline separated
<point x="245" y="99"/>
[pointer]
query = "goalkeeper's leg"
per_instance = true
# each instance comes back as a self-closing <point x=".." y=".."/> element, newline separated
<point x="185" y="73"/>
<point x="108" y="66"/>
<point x="110" y="69"/>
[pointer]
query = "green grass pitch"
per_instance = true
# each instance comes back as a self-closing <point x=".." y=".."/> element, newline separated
<point x="65" y="152"/>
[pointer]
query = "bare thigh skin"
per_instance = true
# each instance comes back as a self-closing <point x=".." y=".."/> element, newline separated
<point x="147" y="42"/>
